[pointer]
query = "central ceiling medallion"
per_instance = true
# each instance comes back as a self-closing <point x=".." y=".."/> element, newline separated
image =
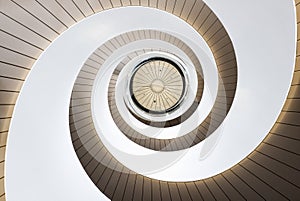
<point x="157" y="85"/>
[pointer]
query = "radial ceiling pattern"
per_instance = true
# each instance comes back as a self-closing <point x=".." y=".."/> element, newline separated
<point x="270" y="172"/>
<point x="157" y="86"/>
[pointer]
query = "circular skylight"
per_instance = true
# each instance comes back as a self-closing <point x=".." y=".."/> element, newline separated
<point x="157" y="85"/>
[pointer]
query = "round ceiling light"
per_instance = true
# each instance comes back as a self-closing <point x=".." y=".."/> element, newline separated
<point x="157" y="86"/>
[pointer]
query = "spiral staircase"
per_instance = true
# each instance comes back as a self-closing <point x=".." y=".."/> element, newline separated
<point x="117" y="100"/>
